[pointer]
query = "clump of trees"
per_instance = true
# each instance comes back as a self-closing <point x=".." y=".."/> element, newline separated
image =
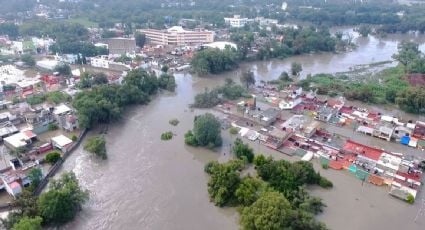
<point x="97" y="146"/>
<point x="174" y="122"/>
<point x="55" y="97"/>
<point x="167" y="136"/>
<point x="276" y="199"/>
<point x="214" y="61"/>
<point x="28" y="60"/>
<point x="206" y="132"/>
<point x="230" y="91"/>
<point x="105" y="103"/>
<point x="89" y="80"/>
<point x="167" y="81"/>
<point x="296" y="68"/>
<point x="248" y="79"/>
<point x="58" y="205"/>
<point x="53" y="157"/>
<point x="243" y="151"/>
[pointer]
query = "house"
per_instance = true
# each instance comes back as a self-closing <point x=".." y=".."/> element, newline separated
<point x="289" y="103"/>
<point x="367" y="157"/>
<point x="120" y="46"/>
<point x="388" y="163"/>
<point x="20" y="140"/>
<point x="269" y="116"/>
<point x="419" y="131"/>
<point x="294" y="123"/>
<point x="61" y="142"/>
<point x="65" y="117"/>
<point x="39" y="119"/>
<point x="325" y="113"/>
<point x="277" y="137"/>
<point x="7" y="129"/>
<point x="311" y="129"/>
<point x="383" y="131"/>
<point x="236" y="21"/>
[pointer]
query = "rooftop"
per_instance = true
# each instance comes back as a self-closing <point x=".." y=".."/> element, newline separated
<point x="357" y="148"/>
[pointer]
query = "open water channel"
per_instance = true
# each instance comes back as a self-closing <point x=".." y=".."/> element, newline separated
<point x="147" y="183"/>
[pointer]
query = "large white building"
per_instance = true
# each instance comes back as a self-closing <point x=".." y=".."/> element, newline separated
<point x="236" y="21"/>
<point x="176" y="35"/>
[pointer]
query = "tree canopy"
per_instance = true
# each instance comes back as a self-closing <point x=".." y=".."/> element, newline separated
<point x="97" y="146"/>
<point x="62" y="202"/>
<point x="214" y="61"/>
<point x="206" y="132"/>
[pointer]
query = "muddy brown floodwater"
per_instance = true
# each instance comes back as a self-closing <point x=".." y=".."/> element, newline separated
<point x="147" y="183"/>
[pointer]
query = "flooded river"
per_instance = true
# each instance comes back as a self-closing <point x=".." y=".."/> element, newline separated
<point x="150" y="184"/>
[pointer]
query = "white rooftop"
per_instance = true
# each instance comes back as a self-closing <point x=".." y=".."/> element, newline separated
<point x="61" y="109"/>
<point x="61" y="140"/>
<point x="221" y="45"/>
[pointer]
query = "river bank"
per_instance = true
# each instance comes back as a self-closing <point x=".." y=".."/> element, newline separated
<point x="161" y="185"/>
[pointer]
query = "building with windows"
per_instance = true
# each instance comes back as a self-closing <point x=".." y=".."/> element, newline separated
<point x="236" y="21"/>
<point x="176" y="35"/>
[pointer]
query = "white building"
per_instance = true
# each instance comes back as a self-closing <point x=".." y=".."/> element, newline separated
<point x="176" y="35"/>
<point x="221" y="45"/>
<point x="100" y="62"/>
<point x="236" y="21"/>
<point x="61" y="142"/>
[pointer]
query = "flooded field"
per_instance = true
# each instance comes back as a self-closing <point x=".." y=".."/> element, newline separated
<point x="150" y="184"/>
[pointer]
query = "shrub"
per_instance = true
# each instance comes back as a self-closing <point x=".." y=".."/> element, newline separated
<point x="52" y="127"/>
<point x="410" y="199"/>
<point x="53" y="157"/>
<point x="174" y="122"/>
<point x="167" y="136"/>
<point x="74" y="138"/>
<point x="96" y="145"/>
<point x="325" y="183"/>
<point x="234" y="130"/>
<point x="190" y="139"/>
<point x="325" y="166"/>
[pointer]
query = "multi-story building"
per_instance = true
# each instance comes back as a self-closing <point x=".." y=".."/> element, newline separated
<point x="236" y="21"/>
<point x="176" y="35"/>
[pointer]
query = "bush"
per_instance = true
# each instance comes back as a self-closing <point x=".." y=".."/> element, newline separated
<point x="74" y="138"/>
<point x="174" y="122"/>
<point x="325" y="166"/>
<point x="234" y="130"/>
<point x="53" y="157"/>
<point x="167" y="136"/>
<point x="97" y="146"/>
<point x="410" y="199"/>
<point x="52" y="127"/>
<point x="325" y="183"/>
<point x="190" y="139"/>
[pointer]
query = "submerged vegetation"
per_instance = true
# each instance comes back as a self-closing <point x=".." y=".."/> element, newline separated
<point x="206" y="132"/>
<point x="97" y="146"/>
<point x="274" y="199"/>
<point x="167" y="136"/>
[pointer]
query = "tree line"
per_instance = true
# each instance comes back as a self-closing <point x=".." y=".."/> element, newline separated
<point x="105" y="103"/>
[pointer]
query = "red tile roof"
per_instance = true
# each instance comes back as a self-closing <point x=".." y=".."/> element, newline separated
<point x="357" y="148"/>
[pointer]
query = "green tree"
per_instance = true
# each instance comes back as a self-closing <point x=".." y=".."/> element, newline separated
<point x="270" y="212"/>
<point x="407" y="52"/>
<point x="248" y="78"/>
<point x="97" y="146"/>
<point x="28" y="60"/>
<point x="249" y="190"/>
<point x="35" y="176"/>
<point x="140" y="39"/>
<point x="223" y="182"/>
<point x="412" y="99"/>
<point x="53" y="157"/>
<point x="63" y="200"/>
<point x="296" y="68"/>
<point x="27" y="223"/>
<point x="63" y="69"/>
<point x="243" y="151"/>
<point x="207" y="130"/>
<point x="364" y="30"/>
